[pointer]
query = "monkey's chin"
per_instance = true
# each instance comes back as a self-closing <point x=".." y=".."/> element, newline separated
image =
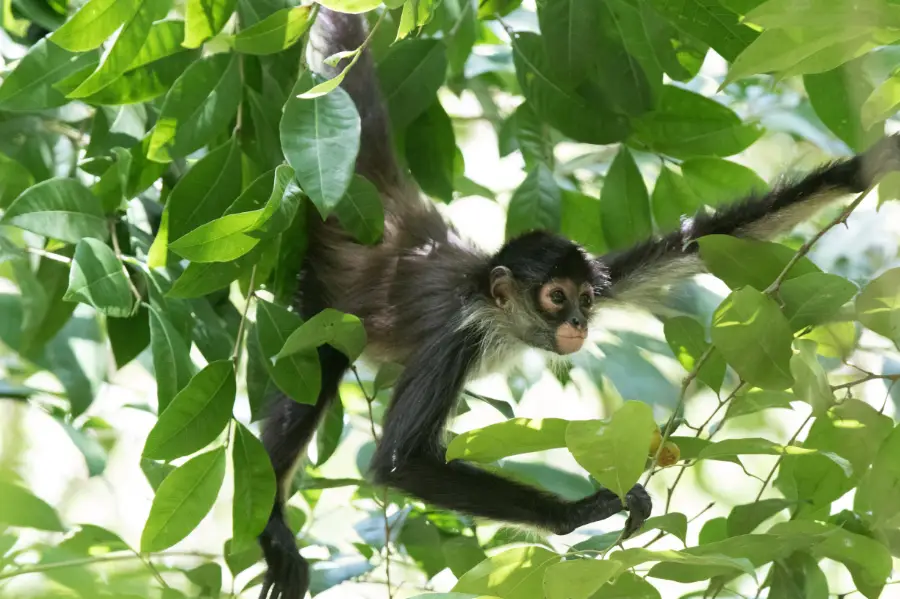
<point x="566" y="345"/>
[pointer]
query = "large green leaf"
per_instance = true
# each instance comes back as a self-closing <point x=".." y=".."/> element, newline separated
<point x="351" y="6"/>
<point x="810" y="380"/>
<point x="14" y="179"/>
<point x="569" y="28"/>
<point x="98" y="278"/>
<point x="687" y="339"/>
<point x="813" y="298"/>
<point x="709" y="21"/>
<point x="183" y="500"/>
<point x="715" y="181"/>
<point x="254" y="488"/>
<point x="200" y="279"/>
<point x="754" y="336"/>
<point x="197" y="108"/>
<point x="672" y="198"/>
<point x="882" y="103"/>
<point x="838" y="96"/>
<point x="739" y="262"/>
<point x="361" y="212"/>
<point x="205" y="19"/>
<point x="94" y="22"/>
<point x="344" y="332"/>
<point x="624" y="203"/>
<point x="556" y="102"/>
<point x="61" y="209"/>
<point x="516" y="572"/>
<point x="275" y="33"/>
<point x="171" y="359"/>
<point x="320" y="138"/>
<point x="30" y="86"/>
<point x="125" y="49"/>
<point x="579" y="578"/>
<point x="878" y="495"/>
<point x="411" y="74"/>
<point x="580" y="221"/>
<point x="510" y="437"/>
<point x="614" y="451"/>
<point x="197" y="415"/>
<point x="206" y="191"/>
<point x="298" y="375"/>
<point x="686" y="124"/>
<point x="536" y="204"/>
<point x="878" y="305"/>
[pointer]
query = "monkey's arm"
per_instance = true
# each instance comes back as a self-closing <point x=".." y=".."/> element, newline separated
<point x="410" y="456"/>
<point x="637" y="273"/>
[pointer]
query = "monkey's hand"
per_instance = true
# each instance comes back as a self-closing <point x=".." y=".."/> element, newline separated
<point x="881" y="159"/>
<point x="603" y="504"/>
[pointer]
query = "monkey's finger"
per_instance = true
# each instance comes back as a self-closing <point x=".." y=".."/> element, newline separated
<point x="639" y="506"/>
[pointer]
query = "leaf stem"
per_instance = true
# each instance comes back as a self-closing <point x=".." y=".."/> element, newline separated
<point x="781" y="458"/>
<point x="119" y="257"/>
<point x="100" y="559"/>
<point x="236" y="352"/>
<point x="48" y="255"/>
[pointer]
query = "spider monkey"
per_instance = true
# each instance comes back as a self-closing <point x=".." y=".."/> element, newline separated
<point x="446" y="309"/>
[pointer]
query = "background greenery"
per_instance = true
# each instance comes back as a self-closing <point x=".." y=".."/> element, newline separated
<point x="603" y="120"/>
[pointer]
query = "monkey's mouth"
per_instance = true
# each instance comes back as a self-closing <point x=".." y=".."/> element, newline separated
<point x="569" y="339"/>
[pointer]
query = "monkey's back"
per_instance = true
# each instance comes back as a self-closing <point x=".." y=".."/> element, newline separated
<point x="418" y="274"/>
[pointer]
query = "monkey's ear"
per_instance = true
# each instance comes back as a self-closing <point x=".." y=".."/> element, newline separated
<point x="503" y="285"/>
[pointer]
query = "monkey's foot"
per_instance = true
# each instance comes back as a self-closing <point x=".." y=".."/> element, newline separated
<point x="603" y="504"/>
<point x="287" y="575"/>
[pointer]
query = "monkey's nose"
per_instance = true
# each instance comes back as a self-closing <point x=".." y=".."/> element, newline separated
<point x="576" y="322"/>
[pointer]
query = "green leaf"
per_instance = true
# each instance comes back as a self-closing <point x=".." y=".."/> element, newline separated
<point x="624" y="203"/>
<point x="95" y="456"/>
<point x="416" y="14"/>
<point x="62" y="209"/>
<point x="125" y="49"/>
<point x="344" y="332"/>
<point x="98" y="278"/>
<point x="361" y="212"/>
<point x="221" y="240"/>
<point x="878" y="494"/>
<point x="881" y="104"/>
<point x="411" y="74"/>
<point x="568" y="28"/>
<point x="183" y="500"/>
<point x="580" y="221"/>
<point x="197" y="415"/>
<point x="298" y="375"/>
<point x="536" y="204"/>
<point x="687" y="339"/>
<point x="275" y="33"/>
<point x="351" y="6"/>
<point x="743" y="519"/>
<point x="430" y="152"/>
<point x="715" y="181"/>
<point x="578" y="578"/>
<point x="742" y="262"/>
<point x="517" y="572"/>
<point x="199" y="106"/>
<point x="206" y="191"/>
<point x="810" y="381"/>
<point x="800" y="576"/>
<point x="699" y="566"/>
<point x="201" y="279"/>
<point x="14" y="179"/>
<point x="776" y="14"/>
<point x="254" y="488"/>
<point x="330" y="431"/>
<point x="556" y="103"/>
<point x="630" y="586"/>
<point x="878" y="305"/>
<point x="673" y="523"/>
<point x="754" y="336"/>
<point x="129" y="337"/>
<point x="749" y="446"/>
<point x="30" y="86"/>
<point x="838" y="96"/>
<point x="171" y="359"/>
<point x="813" y="298"/>
<point x="21" y="508"/>
<point x="94" y="22"/>
<point x="672" y="198"/>
<point x="710" y="22"/>
<point x="757" y="400"/>
<point x="146" y="82"/>
<point x="686" y="125"/>
<point x="614" y="451"/>
<point x="205" y="19"/>
<point x="241" y="560"/>
<point x="510" y="437"/>
<point x="320" y="138"/>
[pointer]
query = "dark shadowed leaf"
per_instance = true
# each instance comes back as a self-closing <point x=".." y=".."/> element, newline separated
<point x="743" y="519"/>
<point x="171" y="358"/>
<point x="183" y="500"/>
<point x="298" y="375"/>
<point x="411" y="74"/>
<point x="709" y="21"/>
<point x="330" y="431"/>
<point x="624" y="203"/>
<point x="430" y="152"/>
<point x="22" y="508"/>
<point x="254" y="488"/>
<point x="361" y="212"/>
<point x="536" y="204"/>
<point x="688" y="341"/>
<point x="275" y="33"/>
<point x="98" y="278"/>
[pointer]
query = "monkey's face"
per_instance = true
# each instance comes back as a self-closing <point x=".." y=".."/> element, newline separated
<point x="565" y="306"/>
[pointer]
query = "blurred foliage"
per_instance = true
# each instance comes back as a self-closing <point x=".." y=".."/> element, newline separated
<point x="157" y="161"/>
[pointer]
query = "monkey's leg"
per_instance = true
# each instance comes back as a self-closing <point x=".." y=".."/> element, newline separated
<point x="466" y="488"/>
<point x="285" y="435"/>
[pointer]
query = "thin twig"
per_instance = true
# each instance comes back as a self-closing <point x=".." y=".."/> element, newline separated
<point x="156" y="574"/>
<point x="781" y="458"/>
<point x="870" y="377"/>
<point x="118" y="251"/>
<point x="236" y="352"/>
<point x="48" y="255"/>
<point x="100" y="559"/>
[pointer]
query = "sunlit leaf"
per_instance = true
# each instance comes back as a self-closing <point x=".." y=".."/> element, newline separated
<point x="740" y="262"/>
<point x="878" y="305"/>
<point x="687" y="339"/>
<point x="275" y="33"/>
<point x="98" y="278"/>
<point x="30" y="86"/>
<point x="205" y="18"/>
<point x="517" y="572"/>
<point x="511" y="437"/>
<point x="94" y="22"/>
<point x="344" y="332"/>
<point x="61" y="209"/>
<point x="579" y="578"/>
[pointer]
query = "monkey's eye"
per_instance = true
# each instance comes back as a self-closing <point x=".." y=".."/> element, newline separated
<point x="586" y="300"/>
<point x="558" y="297"/>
